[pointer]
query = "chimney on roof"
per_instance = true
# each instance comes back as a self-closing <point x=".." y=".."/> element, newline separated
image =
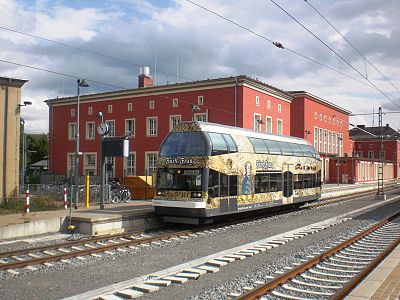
<point x="144" y="79"/>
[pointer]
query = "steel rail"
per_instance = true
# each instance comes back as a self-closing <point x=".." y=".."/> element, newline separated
<point x="99" y="248"/>
<point x="270" y="285"/>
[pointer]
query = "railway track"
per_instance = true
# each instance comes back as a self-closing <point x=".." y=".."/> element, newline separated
<point x="332" y="274"/>
<point x="13" y="260"/>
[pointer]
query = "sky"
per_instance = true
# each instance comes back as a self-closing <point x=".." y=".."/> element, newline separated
<point x="106" y="42"/>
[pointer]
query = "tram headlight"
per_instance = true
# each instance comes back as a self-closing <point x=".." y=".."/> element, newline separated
<point x="196" y="194"/>
<point x="160" y="193"/>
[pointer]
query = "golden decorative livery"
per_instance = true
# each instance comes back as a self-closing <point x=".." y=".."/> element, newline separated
<point x="206" y="170"/>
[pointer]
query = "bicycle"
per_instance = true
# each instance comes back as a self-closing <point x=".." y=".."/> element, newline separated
<point x="119" y="193"/>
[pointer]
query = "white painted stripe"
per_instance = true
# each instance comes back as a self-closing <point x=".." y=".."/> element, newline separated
<point x="184" y="204"/>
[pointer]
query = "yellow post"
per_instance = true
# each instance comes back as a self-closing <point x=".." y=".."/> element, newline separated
<point x="87" y="191"/>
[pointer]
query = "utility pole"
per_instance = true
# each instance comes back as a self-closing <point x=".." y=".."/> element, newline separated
<point x="380" y="194"/>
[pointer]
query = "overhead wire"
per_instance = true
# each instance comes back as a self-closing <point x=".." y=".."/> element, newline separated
<point x="352" y="45"/>
<point x="335" y="52"/>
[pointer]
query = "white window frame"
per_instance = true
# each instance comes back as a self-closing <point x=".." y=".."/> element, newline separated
<point x="268" y="124"/>
<point x="382" y="154"/>
<point x="90" y="131"/>
<point x="316" y="137"/>
<point x="257" y="101"/>
<point x="316" y="116"/>
<point x="72" y="131"/>
<point x="151" y="126"/>
<point x="371" y="154"/>
<point x="175" y="103"/>
<point x="130" y="131"/>
<point x="341" y="145"/>
<point x="320" y="137"/>
<point x="130" y="170"/>
<point x="70" y="163"/>
<point x="149" y="168"/>
<point x="201" y="117"/>
<point x="257" y="122"/>
<point x="109" y="108"/>
<point x="90" y="111"/>
<point x="200" y="100"/>
<point x="73" y="112"/>
<point x="174" y="120"/>
<point x="111" y="126"/>
<point x="151" y="104"/>
<point x="329" y="142"/>
<point x="130" y="106"/>
<point x="325" y="140"/>
<point x="279" y="126"/>
<point x="269" y="104"/>
<point x="90" y="165"/>
<point x="279" y="108"/>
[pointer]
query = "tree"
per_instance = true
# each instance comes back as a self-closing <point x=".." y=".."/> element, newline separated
<point x="37" y="147"/>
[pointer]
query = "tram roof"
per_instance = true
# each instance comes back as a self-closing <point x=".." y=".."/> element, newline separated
<point x="219" y="128"/>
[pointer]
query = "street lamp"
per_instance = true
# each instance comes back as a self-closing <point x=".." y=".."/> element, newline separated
<point x="22" y="122"/>
<point x="339" y="139"/>
<point x="80" y="83"/>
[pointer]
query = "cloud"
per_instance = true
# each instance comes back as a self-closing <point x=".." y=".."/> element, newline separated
<point x="180" y="37"/>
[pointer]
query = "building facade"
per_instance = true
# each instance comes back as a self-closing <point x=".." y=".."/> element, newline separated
<point x="325" y="125"/>
<point x="10" y="97"/>
<point x="146" y="114"/>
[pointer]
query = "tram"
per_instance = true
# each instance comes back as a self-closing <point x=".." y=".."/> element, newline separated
<point x="205" y="170"/>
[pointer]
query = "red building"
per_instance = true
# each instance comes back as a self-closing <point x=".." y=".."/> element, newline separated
<point x="323" y="124"/>
<point x="148" y="113"/>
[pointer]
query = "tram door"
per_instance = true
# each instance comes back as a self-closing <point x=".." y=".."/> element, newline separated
<point x="287" y="187"/>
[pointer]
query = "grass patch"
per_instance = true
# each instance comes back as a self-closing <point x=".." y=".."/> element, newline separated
<point x="39" y="203"/>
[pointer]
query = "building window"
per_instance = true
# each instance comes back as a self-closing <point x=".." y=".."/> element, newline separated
<point x="341" y="123"/>
<point x="333" y="143"/>
<point x="110" y="167"/>
<point x="269" y="125"/>
<point x="89" y="163"/>
<point x="151" y="104"/>
<point x="371" y="146"/>
<point x="257" y="101"/>
<point x="316" y="116"/>
<point x="200" y="100"/>
<point x="329" y="142"/>
<point x="337" y="122"/>
<point x="257" y="122"/>
<point x="151" y="159"/>
<point x="370" y="154"/>
<point x="320" y="117"/>
<point x="130" y="127"/>
<point x="130" y="164"/>
<point x="360" y="153"/>
<point x="90" y="110"/>
<point x="325" y="118"/>
<point x="382" y="154"/>
<point x="329" y="120"/>
<point x="73" y="112"/>
<point x="130" y="106"/>
<point x="109" y="109"/>
<point x="279" y="108"/>
<point x="279" y="129"/>
<point x="269" y="104"/>
<point x="202" y="117"/>
<point x="70" y="163"/>
<point x="71" y="131"/>
<point x="173" y="121"/>
<point x="175" y="102"/>
<point x="325" y="140"/>
<point x="151" y="126"/>
<point x="90" y="129"/>
<point x="320" y="140"/>
<point x="111" y="126"/>
<point x="316" y="137"/>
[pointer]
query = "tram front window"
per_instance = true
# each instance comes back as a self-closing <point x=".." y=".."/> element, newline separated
<point x="179" y="179"/>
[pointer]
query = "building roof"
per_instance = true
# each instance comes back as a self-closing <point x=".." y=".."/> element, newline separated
<point x="6" y="81"/>
<point x="361" y="132"/>
<point x="320" y="100"/>
<point x="241" y="80"/>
